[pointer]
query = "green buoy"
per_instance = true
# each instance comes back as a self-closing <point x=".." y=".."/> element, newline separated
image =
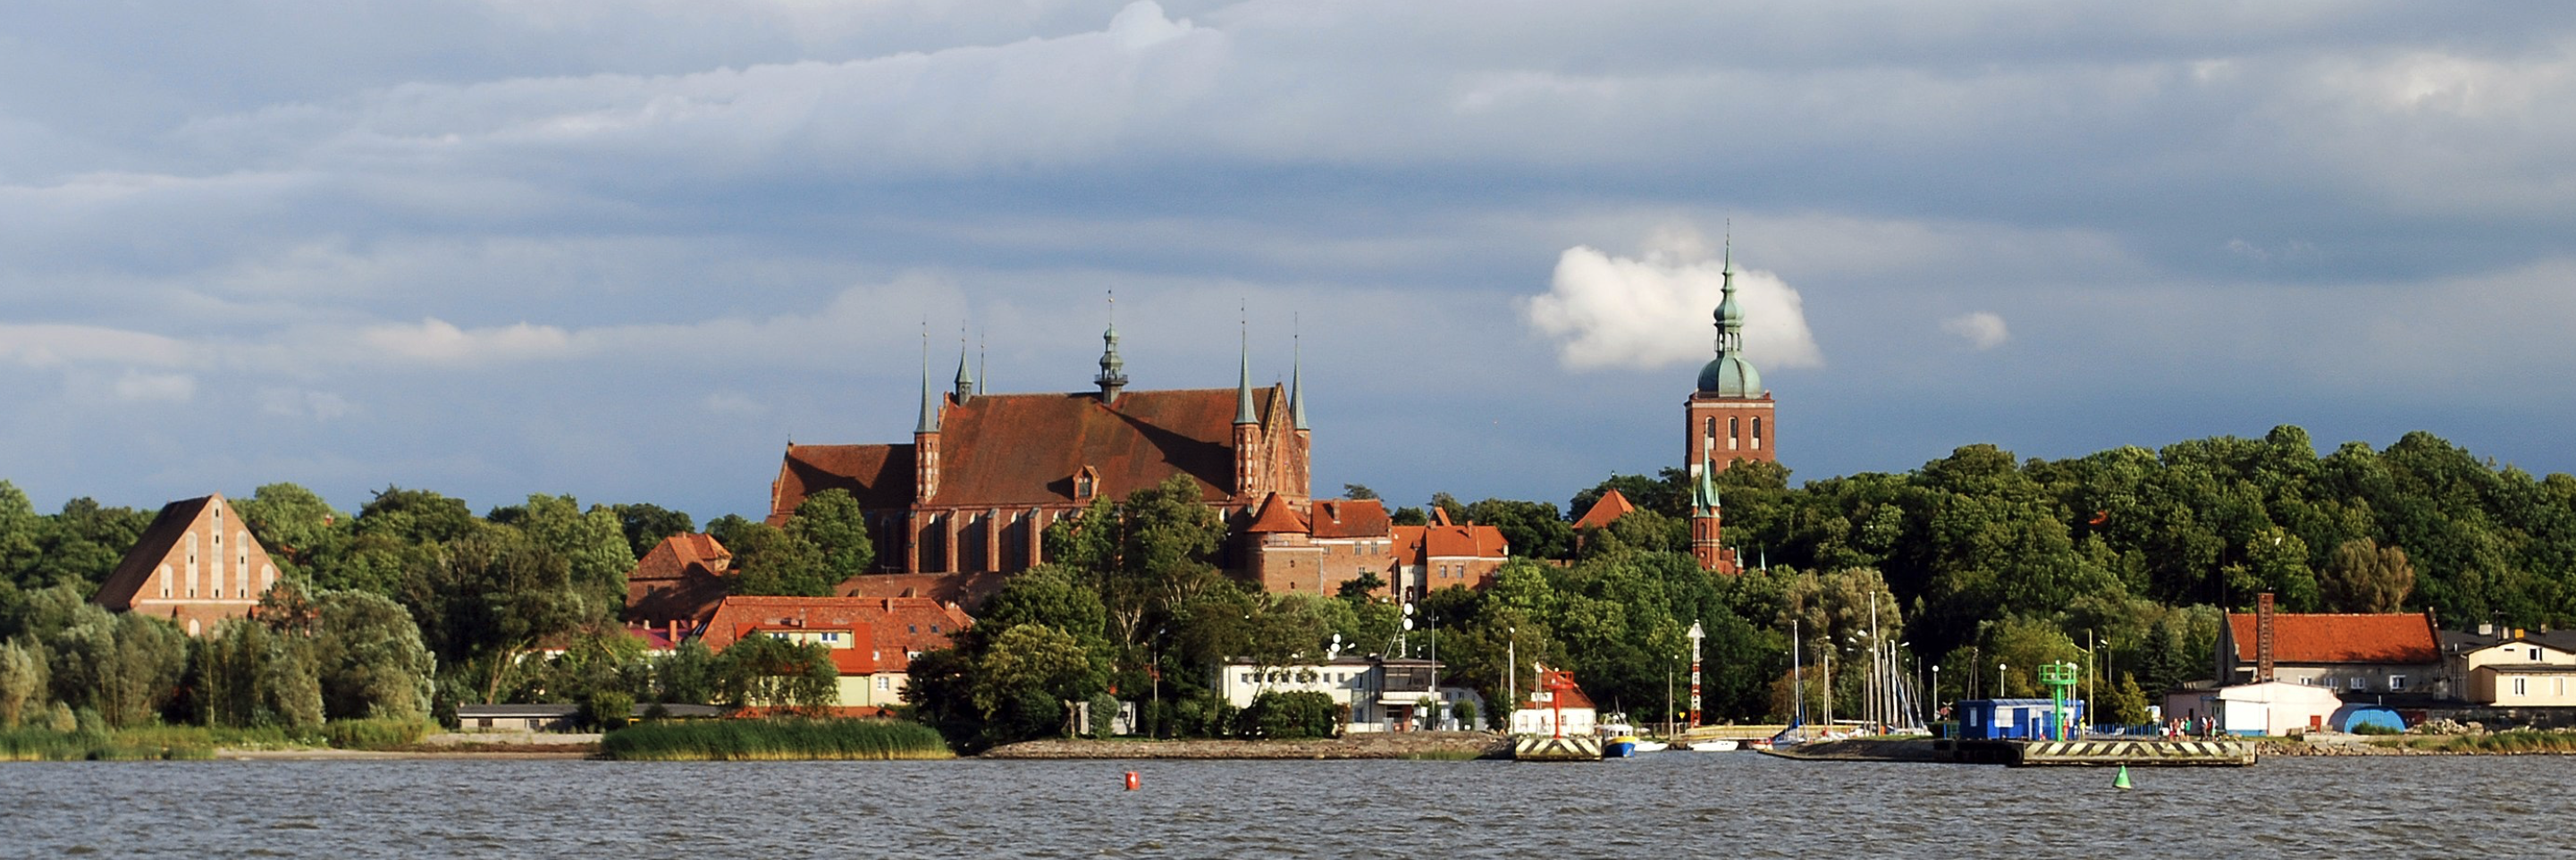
<point x="2121" y="781"/>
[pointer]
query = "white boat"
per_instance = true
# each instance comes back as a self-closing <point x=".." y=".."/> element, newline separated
<point x="1647" y="746"/>
<point x="1720" y="745"/>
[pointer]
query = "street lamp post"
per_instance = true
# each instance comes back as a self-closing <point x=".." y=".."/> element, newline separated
<point x="1696" y="633"/>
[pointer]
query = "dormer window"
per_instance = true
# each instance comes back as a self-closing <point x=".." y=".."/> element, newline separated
<point x="1086" y="483"/>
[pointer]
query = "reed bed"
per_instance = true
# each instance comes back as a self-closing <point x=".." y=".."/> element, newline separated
<point x="167" y="742"/>
<point x="774" y="739"/>
<point x="2508" y="742"/>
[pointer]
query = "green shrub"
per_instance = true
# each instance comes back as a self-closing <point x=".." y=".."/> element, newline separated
<point x="607" y="710"/>
<point x="375" y="734"/>
<point x="775" y="739"/>
<point x="2376" y="729"/>
<point x="1278" y="715"/>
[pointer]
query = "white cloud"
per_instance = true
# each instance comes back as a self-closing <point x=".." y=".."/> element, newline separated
<point x="48" y="345"/>
<point x="441" y="342"/>
<point x="139" y="386"/>
<point x="302" y="403"/>
<point x="1982" y="329"/>
<point x="1655" y="311"/>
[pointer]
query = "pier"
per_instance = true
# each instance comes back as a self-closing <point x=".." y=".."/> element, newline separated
<point x="2135" y="752"/>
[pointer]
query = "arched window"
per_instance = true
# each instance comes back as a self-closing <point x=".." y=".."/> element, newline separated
<point x="1734" y="431"/>
<point x="1757" y="432"/>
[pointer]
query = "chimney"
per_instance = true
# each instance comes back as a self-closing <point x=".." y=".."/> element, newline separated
<point x="2263" y="637"/>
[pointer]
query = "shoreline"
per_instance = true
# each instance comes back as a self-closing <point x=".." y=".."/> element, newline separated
<point x="1403" y="745"/>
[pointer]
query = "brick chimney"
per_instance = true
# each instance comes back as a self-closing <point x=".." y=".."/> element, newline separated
<point x="2263" y="637"/>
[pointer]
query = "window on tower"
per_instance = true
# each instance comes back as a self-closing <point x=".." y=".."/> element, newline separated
<point x="1734" y="432"/>
<point x="1757" y="432"/>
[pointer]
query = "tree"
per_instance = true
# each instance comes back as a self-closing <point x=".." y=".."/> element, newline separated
<point x="1035" y="660"/>
<point x="770" y="673"/>
<point x="294" y="524"/>
<point x="646" y="525"/>
<point x="486" y="598"/>
<point x="1362" y="587"/>
<point x="833" y="523"/>
<point x="689" y="675"/>
<point x="369" y="660"/>
<point x="2126" y="705"/>
<point x="24" y="678"/>
<point x="2366" y="577"/>
<point x="592" y="544"/>
<point x="124" y="666"/>
<point x="772" y="561"/>
<point x="1359" y="492"/>
<point x="1534" y="529"/>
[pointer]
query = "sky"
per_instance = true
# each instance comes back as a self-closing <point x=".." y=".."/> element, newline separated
<point x="628" y="249"/>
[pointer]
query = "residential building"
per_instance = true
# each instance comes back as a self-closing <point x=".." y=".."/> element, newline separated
<point x="1382" y="694"/>
<point x="196" y="564"/>
<point x="2349" y="653"/>
<point x="1441" y="554"/>
<point x="2511" y="668"/>
<point x="678" y="582"/>
<point x="873" y="641"/>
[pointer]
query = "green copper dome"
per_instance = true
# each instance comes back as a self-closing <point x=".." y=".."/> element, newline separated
<point x="1729" y="375"/>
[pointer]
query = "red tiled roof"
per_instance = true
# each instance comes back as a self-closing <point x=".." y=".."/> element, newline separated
<point x="879" y="476"/>
<point x="1417" y="543"/>
<point x="2332" y="638"/>
<point x="1024" y="449"/>
<point x="1569" y="695"/>
<point x="899" y="624"/>
<point x="679" y="556"/>
<point x="1276" y="518"/>
<point x="1610" y="507"/>
<point x="1349" y="518"/>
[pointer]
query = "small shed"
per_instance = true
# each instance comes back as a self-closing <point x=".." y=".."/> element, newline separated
<point x="2274" y="708"/>
<point x="2013" y="719"/>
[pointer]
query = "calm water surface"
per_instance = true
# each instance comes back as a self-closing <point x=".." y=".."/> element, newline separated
<point x="1670" y="805"/>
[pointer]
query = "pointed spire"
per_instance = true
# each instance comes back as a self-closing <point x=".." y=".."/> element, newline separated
<point x="929" y="397"/>
<point x="965" y="383"/>
<point x="1243" y="411"/>
<point x="1113" y="370"/>
<point x="1297" y="383"/>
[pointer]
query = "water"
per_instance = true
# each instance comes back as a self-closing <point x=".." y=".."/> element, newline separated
<point x="1671" y="805"/>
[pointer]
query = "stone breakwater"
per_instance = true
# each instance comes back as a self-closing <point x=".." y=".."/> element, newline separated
<point x="1400" y="745"/>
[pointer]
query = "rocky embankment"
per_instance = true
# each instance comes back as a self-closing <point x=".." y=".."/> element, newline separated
<point x="1399" y="745"/>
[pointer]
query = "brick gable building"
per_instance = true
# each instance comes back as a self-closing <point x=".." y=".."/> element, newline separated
<point x="196" y="564"/>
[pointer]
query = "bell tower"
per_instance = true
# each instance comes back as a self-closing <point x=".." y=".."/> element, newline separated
<point x="1730" y="415"/>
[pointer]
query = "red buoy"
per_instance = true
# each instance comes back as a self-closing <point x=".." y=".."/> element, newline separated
<point x="1132" y="781"/>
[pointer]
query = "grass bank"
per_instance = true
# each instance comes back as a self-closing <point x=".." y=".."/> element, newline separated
<point x="163" y="742"/>
<point x="2514" y="742"/>
<point x="774" y="739"/>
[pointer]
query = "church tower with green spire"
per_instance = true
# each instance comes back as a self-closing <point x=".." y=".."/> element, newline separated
<point x="1728" y="417"/>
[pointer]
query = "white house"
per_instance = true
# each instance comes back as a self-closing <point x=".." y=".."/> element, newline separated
<point x="1383" y="694"/>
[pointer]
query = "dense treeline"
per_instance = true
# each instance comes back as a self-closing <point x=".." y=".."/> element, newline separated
<point x="397" y="613"/>
<point x="1973" y="560"/>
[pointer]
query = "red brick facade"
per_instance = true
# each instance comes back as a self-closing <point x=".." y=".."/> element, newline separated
<point x="196" y="565"/>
